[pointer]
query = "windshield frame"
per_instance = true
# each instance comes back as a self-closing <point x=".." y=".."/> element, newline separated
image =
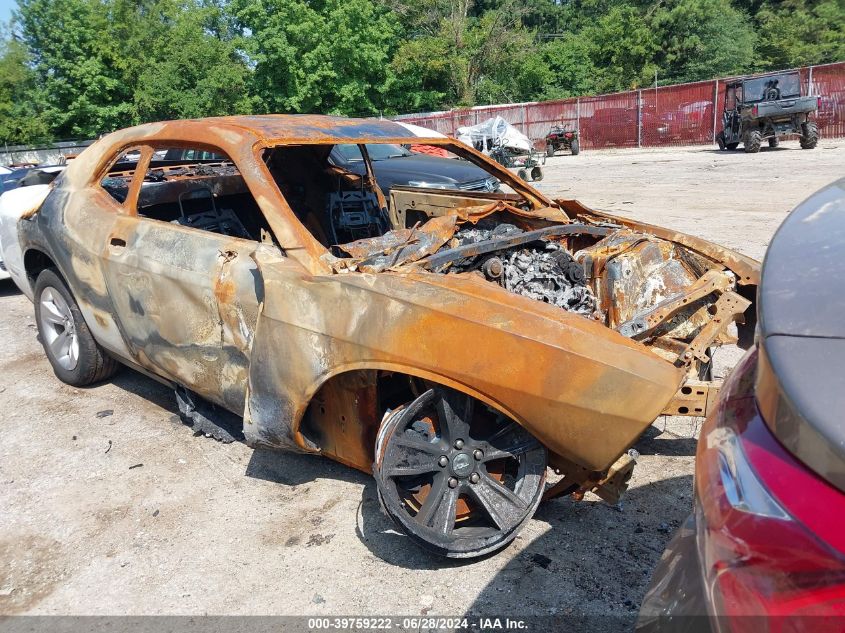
<point x="532" y="196"/>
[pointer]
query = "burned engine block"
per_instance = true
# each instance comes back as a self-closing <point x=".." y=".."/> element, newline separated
<point x="542" y="270"/>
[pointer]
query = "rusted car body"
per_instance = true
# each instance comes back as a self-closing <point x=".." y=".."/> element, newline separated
<point x="268" y="309"/>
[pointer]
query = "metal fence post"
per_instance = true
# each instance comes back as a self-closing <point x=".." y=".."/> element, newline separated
<point x="639" y="118"/>
<point x="810" y="82"/>
<point x="578" y="116"/>
<point x="715" y="107"/>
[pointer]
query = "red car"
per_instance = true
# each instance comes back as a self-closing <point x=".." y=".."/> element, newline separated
<point x="767" y="535"/>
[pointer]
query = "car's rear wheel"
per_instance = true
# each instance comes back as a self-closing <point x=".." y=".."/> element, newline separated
<point x="522" y="175"/>
<point x="810" y="137"/>
<point x="720" y="141"/>
<point x="458" y="479"/>
<point x="76" y="357"/>
<point x="753" y="140"/>
<point x="536" y="174"/>
<point x="575" y="147"/>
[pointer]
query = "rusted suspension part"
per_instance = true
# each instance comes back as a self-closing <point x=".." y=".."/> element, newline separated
<point x="577" y="481"/>
<point x="646" y="322"/>
<point x="729" y="308"/>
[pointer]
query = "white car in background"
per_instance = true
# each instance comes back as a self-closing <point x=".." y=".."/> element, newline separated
<point x="14" y="204"/>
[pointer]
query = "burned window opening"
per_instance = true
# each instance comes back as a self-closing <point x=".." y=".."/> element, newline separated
<point x="195" y="188"/>
<point x="120" y="173"/>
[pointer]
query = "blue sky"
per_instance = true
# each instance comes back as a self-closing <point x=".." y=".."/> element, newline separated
<point x="6" y="7"/>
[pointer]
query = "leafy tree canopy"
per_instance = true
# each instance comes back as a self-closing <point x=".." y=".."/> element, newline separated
<point x="80" y="68"/>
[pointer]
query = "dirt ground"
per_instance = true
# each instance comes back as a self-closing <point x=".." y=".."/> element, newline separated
<point x="109" y="505"/>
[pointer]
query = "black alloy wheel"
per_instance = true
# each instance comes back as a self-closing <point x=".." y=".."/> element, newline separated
<point x="457" y="478"/>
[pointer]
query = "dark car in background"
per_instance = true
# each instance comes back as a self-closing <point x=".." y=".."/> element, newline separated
<point x="766" y="537"/>
<point x="25" y="176"/>
<point x="395" y="165"/>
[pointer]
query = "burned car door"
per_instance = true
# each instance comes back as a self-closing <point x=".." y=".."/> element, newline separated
<point x="182" y="279"/>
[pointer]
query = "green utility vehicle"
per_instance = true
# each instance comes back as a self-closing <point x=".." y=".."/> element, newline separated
<point x="767" y="107"/>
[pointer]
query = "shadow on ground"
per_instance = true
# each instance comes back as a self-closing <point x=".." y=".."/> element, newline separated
<point x="655" y="441"/>
<point x="557" y="575"/>
<point x="550" y="576"/>
<point x="8" y="288"/>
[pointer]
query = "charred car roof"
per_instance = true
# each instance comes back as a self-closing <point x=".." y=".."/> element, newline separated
<point x="293" y="128"/>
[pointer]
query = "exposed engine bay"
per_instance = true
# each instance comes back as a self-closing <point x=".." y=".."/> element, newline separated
<point x="541" y="270"/>
<point x="672" y="299"/>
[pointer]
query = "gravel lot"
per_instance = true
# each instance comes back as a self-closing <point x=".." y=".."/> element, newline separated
<point x="109" y="505"/>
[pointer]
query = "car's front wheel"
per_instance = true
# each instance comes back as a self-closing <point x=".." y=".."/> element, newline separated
<point x="458" y="479"/>
<point x="76" y="357"/>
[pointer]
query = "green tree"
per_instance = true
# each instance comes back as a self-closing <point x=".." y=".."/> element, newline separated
<point x="622" y="46"/>
<point x="796" y="33"/>
<point x="328" y="56"/>
<point x="78" y="66"/>
<point x="702" y="39"/>
<point x="192" y="69"/>
<point x="21" y="116"/>
<point x="471" y="59"/>
<point x="572" y="70"/>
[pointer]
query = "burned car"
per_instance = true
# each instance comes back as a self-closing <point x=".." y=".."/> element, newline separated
<point x="476" y="351"/>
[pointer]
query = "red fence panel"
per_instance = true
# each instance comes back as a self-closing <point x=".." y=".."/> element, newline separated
<point x="677" y="115"/>
<point x="829" y="83"/>
<point x="609" y="120"/>
<point x="543" y="116"/>
<point x="683" y="114"/>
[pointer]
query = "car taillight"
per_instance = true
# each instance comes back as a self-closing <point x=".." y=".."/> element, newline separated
<point x="754" y="499"/>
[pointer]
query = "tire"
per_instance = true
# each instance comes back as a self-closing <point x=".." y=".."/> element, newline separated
<point x="575" y="147"/>
<point x="773" y="141"/>
<point x="810" y="137"/>
<point x="522" y="175"/>
<point x="752" y="142"/>
<point x="536" y="174"/>
<point x="76" y="357"/>
<point x="457" y="479"/>
<point x="550" y="150"/>
<point x="720" y="141"/>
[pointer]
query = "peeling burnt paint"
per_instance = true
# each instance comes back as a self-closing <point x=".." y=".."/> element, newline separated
<point x="262" y="327"/>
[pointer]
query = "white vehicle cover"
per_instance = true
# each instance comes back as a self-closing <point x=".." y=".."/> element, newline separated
<point x="499" y="131"/>
<point x="14" y="204"/>
<point x="418" y="130"/>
